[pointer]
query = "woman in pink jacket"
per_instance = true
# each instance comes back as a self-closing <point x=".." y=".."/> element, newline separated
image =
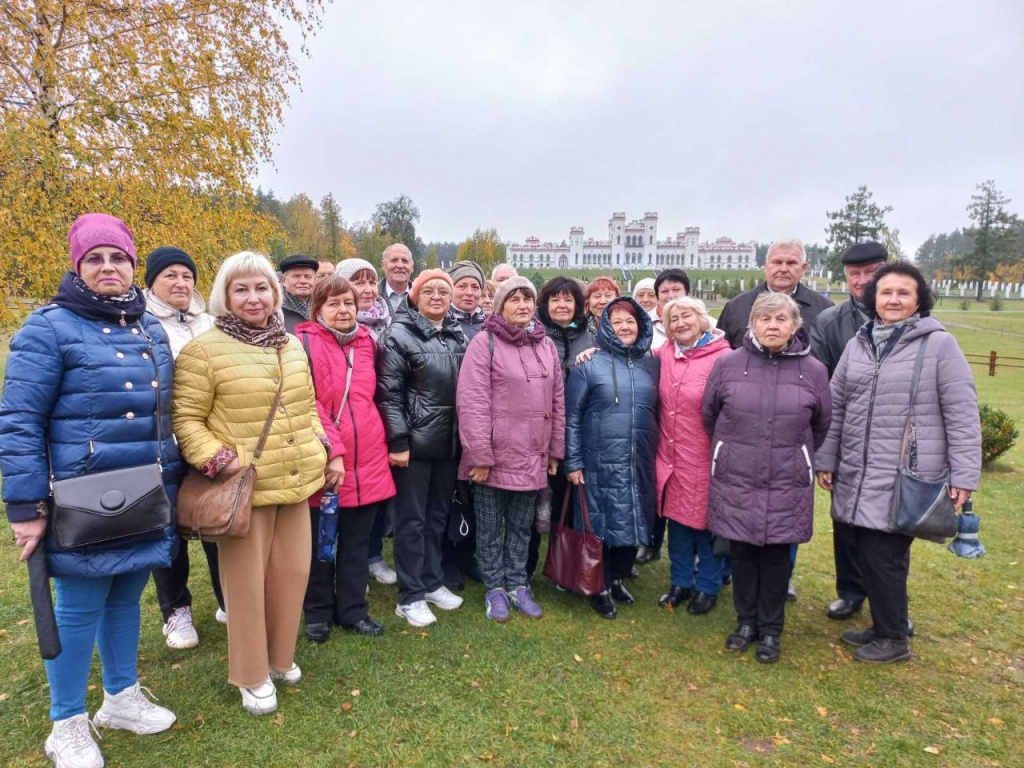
<point x="684" y="453"/>
<point x="341" y="354"/>
<point x="511" y="409"/>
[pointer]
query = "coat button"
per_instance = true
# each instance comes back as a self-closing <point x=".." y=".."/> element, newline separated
<point x="547" y="415"/>
<point x="295" y="471"/>
<point x="106" y="330"/>
<point x="671" y="413"/>
<point x="277" y="380"/>
<point x="675" y="385"/>
<point x="129" y="415"/>
<point x="671" y="442"/>
<point x="145" y="355"/>
<point x="120" y="355"/>
<point x="135" y="331"/>
<point x="154" y="383"/>
<point x="291" y="441"/>
<point x="545" y="374"/>
<point x="128" y="385"/>
<point x="281" y="409"/>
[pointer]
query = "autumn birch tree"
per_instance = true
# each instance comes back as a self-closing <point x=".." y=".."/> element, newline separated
<point x="157" y="111"/>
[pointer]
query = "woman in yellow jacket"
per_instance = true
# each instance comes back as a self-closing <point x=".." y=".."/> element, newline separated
<point x="225" y="383"/>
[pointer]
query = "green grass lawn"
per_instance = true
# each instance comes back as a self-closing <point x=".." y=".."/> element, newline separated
<point x="650" y="689"/>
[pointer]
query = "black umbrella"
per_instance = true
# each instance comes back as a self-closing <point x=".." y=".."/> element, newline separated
<point x="42" y="603"/>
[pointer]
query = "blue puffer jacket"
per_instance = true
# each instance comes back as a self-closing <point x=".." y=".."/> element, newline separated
<point x="611" y="406"/>
<point x="86" y="382"/>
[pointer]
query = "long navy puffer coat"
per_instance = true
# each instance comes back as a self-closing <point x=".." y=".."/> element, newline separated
<point x="611" y="408"/>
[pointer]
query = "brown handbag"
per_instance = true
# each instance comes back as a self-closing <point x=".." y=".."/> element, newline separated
<point x="220" y="508"/>
<point x="575" y="558"/>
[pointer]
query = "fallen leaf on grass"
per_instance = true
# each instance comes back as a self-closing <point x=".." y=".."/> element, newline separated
<point x="578" y="657"/>
<point x="509" y="728"/>
<point x="933" y="750"/>
<point x="597" y="657"/>
<point x="346" y="706"/>
<point x="3" y="633"/>
<point x="574" y="723"/>
<point x="353" y="734"/>
<point x="998" y="723"/>
<point x="486" y="756"/>
<point x="4" y="696"/>
<point x="828" y="759"/>
<point x="822" y="711"/>
<point x="739" y="707"/>
<point x="200" y="719"/>
<point x="475" y="684"/>
<point x="23" y="622"/>
<point x="278" y="718"/>
<point x="779" y="740"/>
<point x="90" y="687"/>
<point x="356" y="692"/>
<point x="291" y="690"/>
<point x="176" y="665"/>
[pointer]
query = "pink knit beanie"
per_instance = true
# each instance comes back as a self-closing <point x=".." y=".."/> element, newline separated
<point x="93" y="230"/>
<point x="425" y="277"/>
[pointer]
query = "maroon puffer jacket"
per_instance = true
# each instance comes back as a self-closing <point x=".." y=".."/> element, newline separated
<point x="766" y="415"/>
<point x="358" y="436"/>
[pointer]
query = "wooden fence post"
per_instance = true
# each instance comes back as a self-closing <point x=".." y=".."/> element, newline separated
<point x="992" y="363"/>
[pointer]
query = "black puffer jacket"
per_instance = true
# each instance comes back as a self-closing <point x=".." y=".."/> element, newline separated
<point x="569" y="341"/>
<point x="417" y="374"/>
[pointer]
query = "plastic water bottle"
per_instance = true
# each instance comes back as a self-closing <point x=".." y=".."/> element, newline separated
<point x="327" y="533"/>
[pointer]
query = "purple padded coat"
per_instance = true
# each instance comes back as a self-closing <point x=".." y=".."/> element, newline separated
<point x="766" y="415"/>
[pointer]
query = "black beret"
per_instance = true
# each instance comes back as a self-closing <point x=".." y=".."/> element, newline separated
<point x="865" y="253"/>
<point x="297" y="260"/>
<point x="162" y="258"/>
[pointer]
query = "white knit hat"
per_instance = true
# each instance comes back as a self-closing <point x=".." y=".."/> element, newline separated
<point x="646" y="283"/>
<point x="348" y="267"/>
<point x="506" y="287"/>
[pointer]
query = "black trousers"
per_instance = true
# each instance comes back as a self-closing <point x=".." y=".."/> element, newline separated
<point x="336" y="592"/>
<point x="618" y="563"/>
<point x="658" y="533"/>
<point x="884" y="565"/>
<point x="422" y="507"/>
<point x="760" y="576"/>
<point x="172" y="582"/>
<point x="849" y="584"/>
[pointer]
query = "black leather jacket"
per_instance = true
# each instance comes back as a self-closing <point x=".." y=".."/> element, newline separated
<point x="417" y="375"/>
<point x="831" y="332"/>
<point x="736" y="313"/>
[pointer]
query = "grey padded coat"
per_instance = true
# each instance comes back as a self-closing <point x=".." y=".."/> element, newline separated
<point x="863" y="444"/>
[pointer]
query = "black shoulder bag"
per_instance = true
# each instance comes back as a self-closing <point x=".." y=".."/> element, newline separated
<point x="921" y="508"/>
<point x="106" y="507"/>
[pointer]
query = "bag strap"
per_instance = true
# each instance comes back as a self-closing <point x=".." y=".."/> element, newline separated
<point x="914" y="381"/>
<point x="587" y="528"/>
<point x="351" y="360"/>
<point x="273" y="412"/>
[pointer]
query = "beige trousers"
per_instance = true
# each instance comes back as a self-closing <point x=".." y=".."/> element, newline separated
<point x="264" y="578"/>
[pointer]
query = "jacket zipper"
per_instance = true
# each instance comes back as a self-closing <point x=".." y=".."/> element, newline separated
<point x="867" y="440"/>
<point x="810" y="467"/>
<point x="714" y="456"/>
<point x="355" y="462"/>
<point x="632" y="449"/>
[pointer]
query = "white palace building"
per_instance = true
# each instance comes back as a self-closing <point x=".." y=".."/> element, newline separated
<point x="633" y="245"/>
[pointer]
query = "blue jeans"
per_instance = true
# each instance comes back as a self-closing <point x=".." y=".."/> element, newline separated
<point x="684" y="545"/>
<point x="90" y="612"/>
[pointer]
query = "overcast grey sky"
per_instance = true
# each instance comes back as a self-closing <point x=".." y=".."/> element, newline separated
<point x="747" y="119"/>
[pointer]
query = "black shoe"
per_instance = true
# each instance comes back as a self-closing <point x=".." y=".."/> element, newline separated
<point x="790" y="593"/>
<point x="647" y="555"/>
<point x="634" y="573"/>
<point x="702" y="603"/>
<point x="883" y="650"/>
<point x="859" y="637"/>
<point x="318" y="631"/>
<point x="739" y="640"/>
<point x="675" y="597"/>
<point x="768" y="649"/>
<point x="620" y="593"/>
<point x="604" y="605"/>
<point x="843" y="609"/>
<point x="365" y="627"/>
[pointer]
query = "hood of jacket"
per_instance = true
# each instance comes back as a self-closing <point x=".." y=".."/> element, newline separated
<point x="609" y="342"/>
<point x="513" y="334"/>
<point x="798" y="346"/>
<point x="161" y="309"/>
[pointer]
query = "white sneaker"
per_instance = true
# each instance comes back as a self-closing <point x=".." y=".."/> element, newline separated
<point x="383" y="573"/>
<point x="71" y="745"/>
<point x="131" y="710"/>
<point x="417" y="613"/>
<point x="179" y="629"/>
<point x="261" y="699"/>
<point x="290" y="676"/>
<point x="221" y="616"/>
<point x="444" y="599"/>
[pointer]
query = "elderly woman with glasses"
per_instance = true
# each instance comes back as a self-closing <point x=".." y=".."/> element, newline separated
<point x="418" y="370"/>
<point x="767" y="409"/>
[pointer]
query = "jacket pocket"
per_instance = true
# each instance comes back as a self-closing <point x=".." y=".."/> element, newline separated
<point x="715" y="458"/>
<point x="807" y="464"/>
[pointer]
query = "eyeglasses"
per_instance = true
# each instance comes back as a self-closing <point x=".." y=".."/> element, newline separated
<point x="118" y="260"/>
<point x="429" y="293"/>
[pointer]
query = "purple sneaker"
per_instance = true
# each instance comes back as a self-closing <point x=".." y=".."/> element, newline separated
<point x="522" y="599"/>
<point x="496" y="603"/>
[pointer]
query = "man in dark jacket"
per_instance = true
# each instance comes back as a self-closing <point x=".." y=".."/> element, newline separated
<point x="298" y="276"/>
<point x="829" y="335"/>
<point x="397" y="265"/>
<point x="784" y="266"/>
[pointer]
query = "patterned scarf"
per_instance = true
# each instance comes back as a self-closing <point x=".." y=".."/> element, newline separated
<point x="884" y="335"/>
<point x="376" y="317"/>
<point x="297" y="305"/>
<point x="682" y="349"/>
<point x="272" y="335"/>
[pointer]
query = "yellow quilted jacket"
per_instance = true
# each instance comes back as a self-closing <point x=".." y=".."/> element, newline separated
<point x="223" y="391"/>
